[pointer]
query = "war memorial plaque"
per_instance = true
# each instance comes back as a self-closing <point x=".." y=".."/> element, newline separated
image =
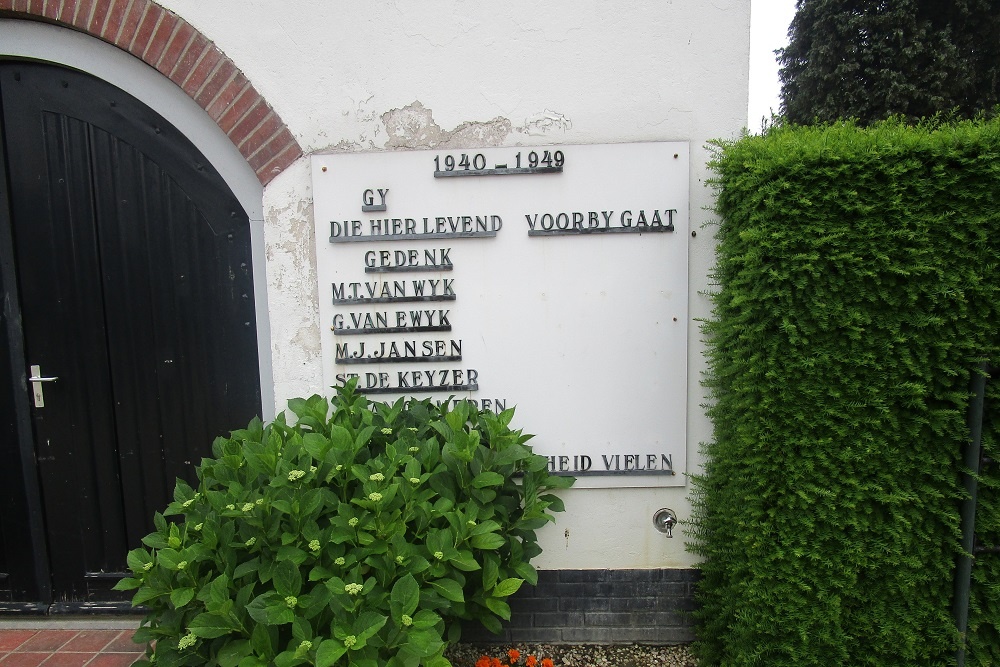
<point x="552" y="279"/>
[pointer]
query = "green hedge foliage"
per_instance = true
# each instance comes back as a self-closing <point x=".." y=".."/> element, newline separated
<point x="855" y="292"/>
<point x="984" y="612"/>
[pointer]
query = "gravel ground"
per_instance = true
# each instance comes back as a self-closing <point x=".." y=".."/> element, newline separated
<point x="579" y="655"/>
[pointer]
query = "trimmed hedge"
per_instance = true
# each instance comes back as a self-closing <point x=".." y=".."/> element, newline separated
<point x="984" y="608"/>
<point x="856" y="291"/>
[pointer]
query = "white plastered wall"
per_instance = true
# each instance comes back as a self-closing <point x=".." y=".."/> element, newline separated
<point x="379" y="75"/>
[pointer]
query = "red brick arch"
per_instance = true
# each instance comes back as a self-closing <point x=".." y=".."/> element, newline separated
<point x="174" y="47"/>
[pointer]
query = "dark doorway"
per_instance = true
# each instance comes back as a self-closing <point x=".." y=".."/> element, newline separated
<point x="126" y="275"/>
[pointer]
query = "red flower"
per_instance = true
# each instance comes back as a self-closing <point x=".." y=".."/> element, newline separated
<point x="483" y="662"/>
<point x="531" y="661"/>
<point x="514" y="655"/>
<point x="495" y="662"/>
<point x="546" y="662"/>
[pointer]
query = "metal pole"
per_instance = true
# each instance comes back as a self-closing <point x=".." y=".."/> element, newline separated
<point x="971" y="463"/>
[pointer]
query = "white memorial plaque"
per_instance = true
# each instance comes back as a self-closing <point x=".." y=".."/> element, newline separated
<point x="552" y="279"/>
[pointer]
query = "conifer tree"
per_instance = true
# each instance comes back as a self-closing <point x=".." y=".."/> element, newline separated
<point x="871" y="59"/>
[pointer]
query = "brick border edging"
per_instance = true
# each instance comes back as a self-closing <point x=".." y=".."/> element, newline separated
<point x="599" y="607"/>
<point x="180" y="52"/>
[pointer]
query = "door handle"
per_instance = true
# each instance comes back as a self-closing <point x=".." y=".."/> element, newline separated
<point x="36" y="381"/>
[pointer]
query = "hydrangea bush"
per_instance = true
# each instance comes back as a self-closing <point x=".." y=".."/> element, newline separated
<point x="360" y="536"/>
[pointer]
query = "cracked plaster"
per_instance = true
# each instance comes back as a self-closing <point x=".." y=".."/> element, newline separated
<point x="293" y="291"/>
<point x="413" y="127"/>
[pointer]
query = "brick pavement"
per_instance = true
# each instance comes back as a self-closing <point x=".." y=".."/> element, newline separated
<point x="41" y="647"/>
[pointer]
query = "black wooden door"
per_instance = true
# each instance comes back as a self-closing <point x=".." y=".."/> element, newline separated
<point x="134" y="284"/>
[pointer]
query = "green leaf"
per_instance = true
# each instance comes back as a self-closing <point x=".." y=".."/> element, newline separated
<point x="288" y="658"/>
<point x="181" y="596"/>
<point x="174" y="539"/>
<point x="511" y="454"/>
<point x="364" y="435"/>
<point x="492" y="624"/>
<point x="368" y="624"/>
<point x="487" y="541"/>
<point x="424" y="643"/>
<point x="251" y="661"/>
<point x="316" y="444"/>
<point x="498" y="607"/>
<point x="249" y="567"/>
<point x="527" y="572"/>
<point x="335" y="584"/>
<point x="489" y="526"/>
<point x="405" y="597"/>
<point x="449" y="589"/>
<point x="555" y="502"/>
<point x="417" y="564"/>
<point x="507" y="587"/>
<point x="298" y="406"/>
<point x="464" y="561"/>
<point x="425" y="618"/>
<point x="320" y="573"/>
<point x="301" y="629"/>
<point x="287" y="579"/>
<point x="261" y="640"/>
<point x="329" y="652"/>
<point x="535" y="464"/>
<point x="210" y="626"/>
<point x="486" y="479"/>
<point x="340" y="438"/>
<point x="182" y="491"/>
<point x="233" y="652"/>
<point x="532" y="523"/>
<point x="317" y="599"/>
<point x="218" y="590"/>
<point x="155" y="541"/>
<point x="292" y="554"/>
<point x="270" y="609"/>
<point x="341" y="535"/>
<point x="137" y="559"/>
<point x="360" y="472"/>
<point x="491" y="571"/>
<point x="243" y="597"/>
<point x="148" y="593"/>
<point x="169" y="558"/>
<point x="443" y="429"/>
<point x="311" y="501"/>
<point x="559" y="482"/>
<point x="126" y="584"/>
<point x="440" y="540"/>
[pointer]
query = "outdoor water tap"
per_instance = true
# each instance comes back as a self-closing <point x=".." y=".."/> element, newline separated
<point x="664" y="520"/>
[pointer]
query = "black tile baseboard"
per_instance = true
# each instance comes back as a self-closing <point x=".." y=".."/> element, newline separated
<point x="599" y="607"/>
